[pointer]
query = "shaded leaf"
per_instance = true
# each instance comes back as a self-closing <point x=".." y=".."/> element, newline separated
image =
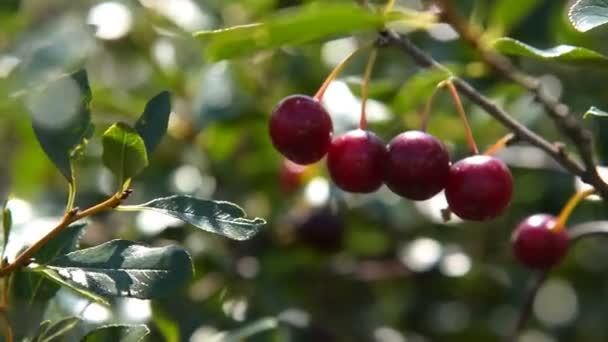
<point x="296" y="25"/>
<point x="42" y="328"/>
<point x="7" y="224"/>
<point x="124" y="152"/>
<point x="560" y="53"/>
<point x="62" y="127"/>
<point x="122" y="333"/>
<point x="33" y="286"/>
<point x="224" y="218"/>
<point x="594" y="111"/>
<point x="52" y="276"/>
<point x="56" y="331"/>
<point x="152" y="125"/>
<point x="588" y="14"/>
<point x="505" y="14"/>
<point x="121" y="268"/>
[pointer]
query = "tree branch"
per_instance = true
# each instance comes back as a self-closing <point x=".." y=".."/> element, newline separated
<point x="559" y="112"/>
<point x="534" y="285"/>
<point x="555" y="150"/>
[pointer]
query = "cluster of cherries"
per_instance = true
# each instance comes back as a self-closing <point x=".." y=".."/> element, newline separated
<point x="416" y="166"/>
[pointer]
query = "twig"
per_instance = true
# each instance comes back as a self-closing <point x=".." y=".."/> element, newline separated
<point x="6" y="323"/>
<point x="555" y="150"/>
<point x="70" y="217"/>
<point x="526" y="310"/>
<point x="559" y="112"/>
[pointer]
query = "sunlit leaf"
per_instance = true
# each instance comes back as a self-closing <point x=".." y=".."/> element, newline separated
<point x="220" y="217"/>
<point x="152" y="125"/>
<point x="122" y="268"/>
<point x="560" y="53"/>
<point x="296" y="25"/>
<point x="588" y="14"/>
<point x="60" y="139"/>
<point x="117" y="333"/>
<point x="594" y="111"/>
<point x="124" y="152"/>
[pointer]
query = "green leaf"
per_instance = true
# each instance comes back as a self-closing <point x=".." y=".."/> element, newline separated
<point x="560" y="53"/>
<point x="224" y="218"/>
<point x="61" y="119"/>
<point x="122" y="333"/>
<point x="293" y="26"/>
<point x="55" y="332"/>
<point x="7" y="224"/>
<point x="594" y="111"/>
<point x="251" y="329"/>
<point x="53" y="276"/>
<point x="33" y="286"/>
<point x="152" y="125"/>
<point x="124" y="152"/>
<point x="42" y="328"/>
<point x="507" y="13"/>
<point x="121" y="268"/>
<point x="588" y="14"/>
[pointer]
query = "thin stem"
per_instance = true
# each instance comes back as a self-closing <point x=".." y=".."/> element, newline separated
<point x="566" y="211"/>
<point x="334" y="73"/>
<point x="426" y="114"/>
<point x="526" y="310"/>
<point x="389" y="6"/>
<point x="72" y="216"/>
<point x="500" y="144"/>
<point x="463" y="117"/>
<point x="365" y="87"/>
<point x="6" y="323"/>
<point x="71" y="197"/>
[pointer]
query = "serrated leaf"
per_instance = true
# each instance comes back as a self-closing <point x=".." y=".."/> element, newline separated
<point x="58" y="329"/>
<point x="33" y="286"/>
<point x="152" y="125"/>
<point x="251" y="329"/>
<point x="61" y="119"/>
<point x="220" y="217"/>
<point x="594" y="111"/>
<point x="560" y="53"/>
<point x="293" y="26"/>
<point x="121" y="268"/>
<point x="588" y="14"/>
<point x="122" y="333"/>
<point x="124" y="152"/>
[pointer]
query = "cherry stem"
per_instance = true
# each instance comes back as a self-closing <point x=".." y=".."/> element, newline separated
<point x="426" y="114"/>
<point x="467" y="128"/>
<point x="334" y="73"/>
<point x="365" y="87"/>
<point x="566" y="211"/>
<point x="389" y="6"/>
<point x="500" y="144"/>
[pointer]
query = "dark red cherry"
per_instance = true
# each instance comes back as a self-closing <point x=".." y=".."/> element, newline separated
<point x="418" y="165"/>
<point x="356" y="161"/>
<point x="536" y="244"/>
<point x="301" y="129"/>
<point x="479" y="188"/>
<point x="321" y="229"/>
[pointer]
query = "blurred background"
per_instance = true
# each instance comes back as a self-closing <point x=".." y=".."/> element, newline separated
<point x="329" y="266"/>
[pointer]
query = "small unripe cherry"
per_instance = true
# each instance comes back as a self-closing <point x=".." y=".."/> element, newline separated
<point x="356" y="161"/>
<point x="479" y="188"/>
<point x="418" y="165"/>
<point x="301" y="129"/>
<point x="537" y="244"/>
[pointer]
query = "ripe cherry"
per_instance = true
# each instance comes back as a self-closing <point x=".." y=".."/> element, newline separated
<point x="301" y="129"/>
<point x="537" y="244"/>
<point x="479" y="188"/>
<point x="322" y="229"/>
<point x="418" y="165"/>
<point x="356" y="161"/>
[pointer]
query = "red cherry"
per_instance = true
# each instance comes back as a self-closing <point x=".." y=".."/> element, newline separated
<point x="479" y="188"/>
<point x="537" y="244"/>
<point x="322" y="229"/>
<point x="418" y="165"/>
<point x="356" y="161"/>
<point x="301" y="129"/>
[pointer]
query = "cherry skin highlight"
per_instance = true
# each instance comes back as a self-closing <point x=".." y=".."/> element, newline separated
<point x="537" y="244"/>
<point x="418" y="165"/>
<point x="301" y="129"/>
<point x="356" y="161"/>
<point x="479" y="188"/>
